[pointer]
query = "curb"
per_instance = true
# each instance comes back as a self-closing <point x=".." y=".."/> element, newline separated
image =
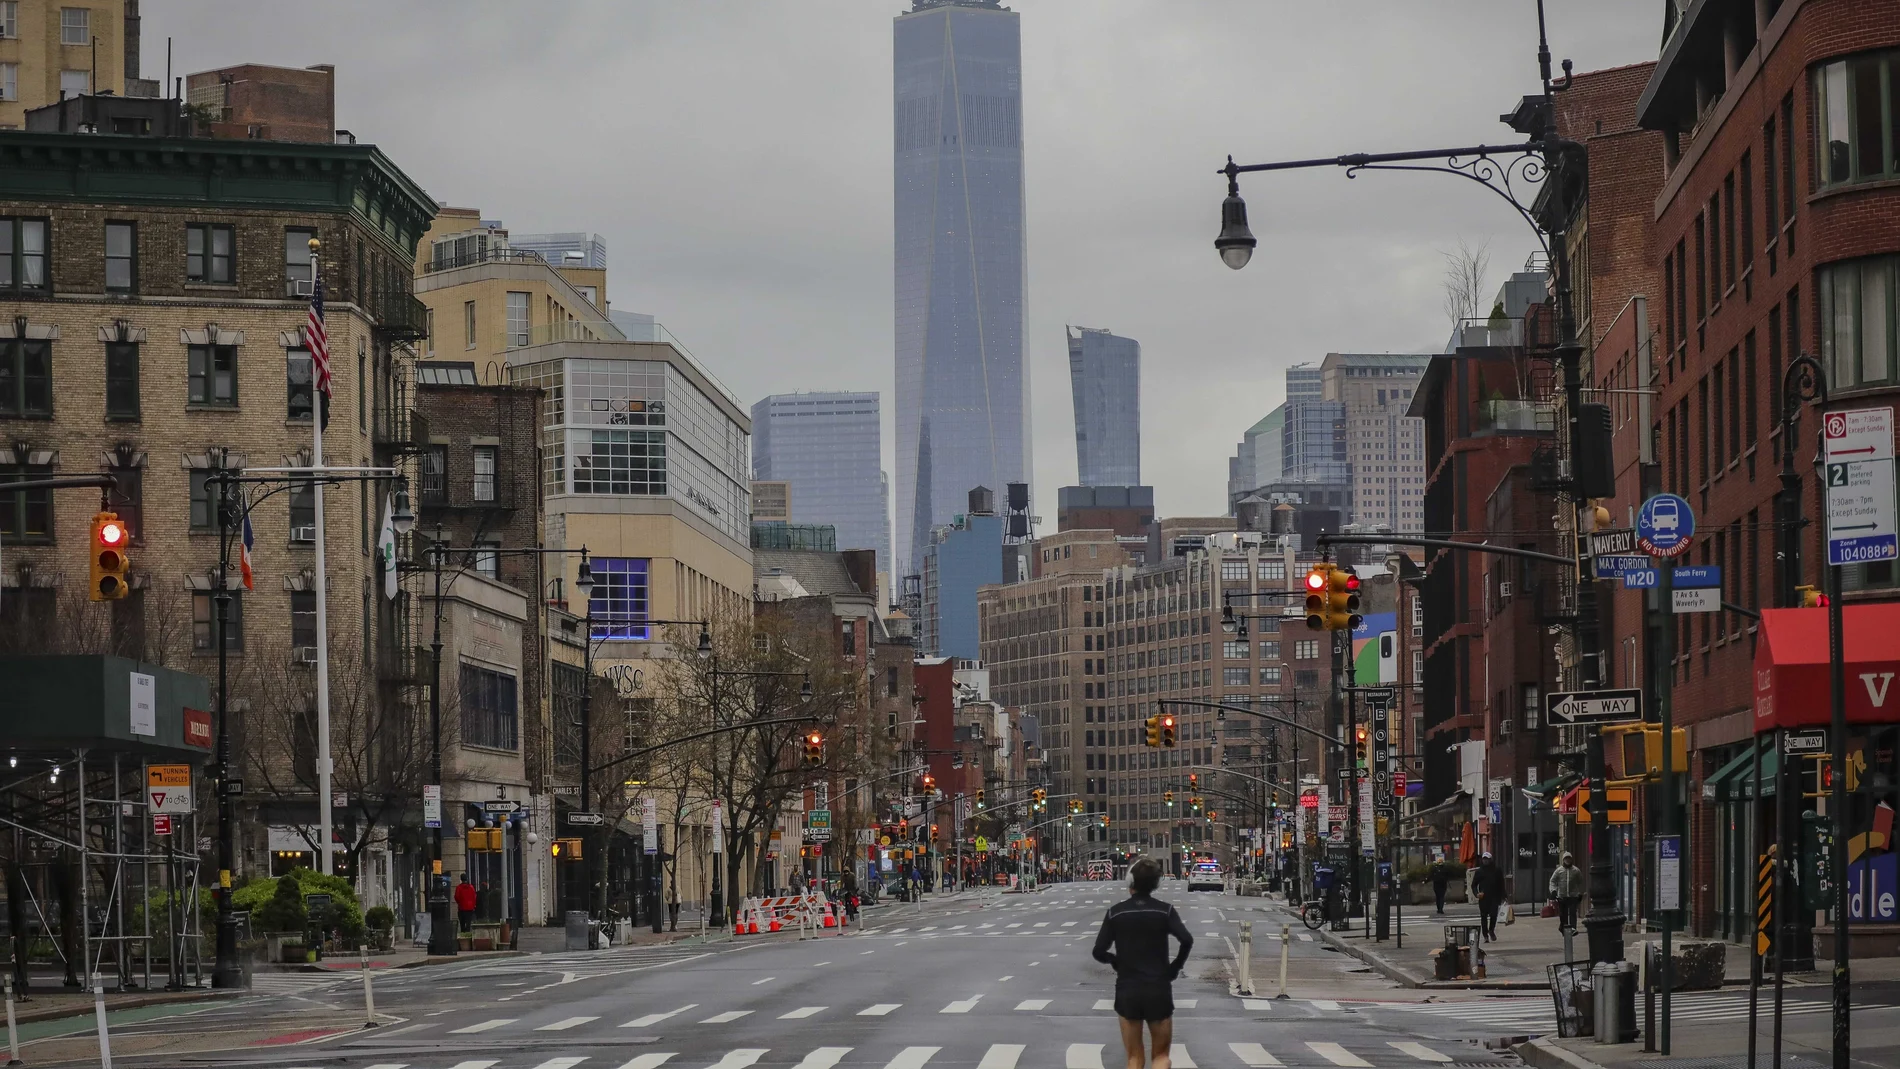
<point x="56" y="1013"/>
<point x="1543" y="1054"/>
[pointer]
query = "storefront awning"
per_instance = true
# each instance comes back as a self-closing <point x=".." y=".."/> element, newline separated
<point x="1791" y="666"/>
<point x="1547" y="791"/>
<point x="1458" y="803"/>
<point x="1735" y="781"/>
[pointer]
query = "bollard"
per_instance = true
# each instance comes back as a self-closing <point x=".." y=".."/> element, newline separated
<point x="105" y="1040"/>
<point x="369" y="992"/>
<point x="1246" y="958"/>
<point x="1286" y="941"/>
<point x="13" y="1031"/>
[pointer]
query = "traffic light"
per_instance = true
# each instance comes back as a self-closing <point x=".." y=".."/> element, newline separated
<point x="1342" y="600"/>
<point x="566" y="849"/>
<point x="1167" y="730"/>
<point x="1075" y="806"/>
<point x="1194" y="779"/>
<point x="1153" y="724"/>
<point x="979" y="797"/>
<point x="1316" y="583"/>
<point x="1811" y="597"/>
<point x="903" y="827"/>
<point x="1039" y="798"/>
<point x="926" y="783"/>
<point x="1363" y="751"/>
<point x="1212" y="816"/>
<point x="1168" y="797"/>
<point x="1817" y="779"/>
<point x="814" y="749"/>
<point x="1196" y="802"/>
<point x="933" y="833"/>
<point x="109" y="564"/>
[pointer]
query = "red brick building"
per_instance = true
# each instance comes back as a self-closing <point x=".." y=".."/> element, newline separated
<point x="1777" y="229"/>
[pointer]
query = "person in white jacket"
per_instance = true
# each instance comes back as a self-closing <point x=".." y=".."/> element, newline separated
<point x="1566" y="889"/>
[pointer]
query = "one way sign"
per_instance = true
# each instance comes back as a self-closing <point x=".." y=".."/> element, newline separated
<point x="1593" y="706"/>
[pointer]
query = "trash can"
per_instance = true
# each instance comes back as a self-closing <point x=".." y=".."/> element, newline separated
<point x="576" y="923"/>
<point x="1616" y="991"/>
<point x="1572" y="992"/>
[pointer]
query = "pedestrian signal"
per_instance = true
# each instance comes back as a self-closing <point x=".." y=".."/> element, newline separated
<point x="109" y="563"/>
<point x="1811" y="597"/>
<point x="566" y="849"/>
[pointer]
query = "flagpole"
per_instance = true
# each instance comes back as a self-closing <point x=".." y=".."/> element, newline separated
<point x="324" y="797"/>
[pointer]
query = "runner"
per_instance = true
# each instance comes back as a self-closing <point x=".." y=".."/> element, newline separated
<point x="1138" y="928"/>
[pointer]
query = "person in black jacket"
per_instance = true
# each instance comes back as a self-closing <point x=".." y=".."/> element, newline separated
<point x="1137" y="928"/>
<point x="1489" y="886"/>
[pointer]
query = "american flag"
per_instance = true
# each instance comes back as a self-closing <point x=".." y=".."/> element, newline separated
<point x="244" y="554"/>
<point x="317" y="339"/>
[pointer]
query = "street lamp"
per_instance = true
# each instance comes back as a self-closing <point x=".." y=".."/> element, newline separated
<point x="1235" y="242"/>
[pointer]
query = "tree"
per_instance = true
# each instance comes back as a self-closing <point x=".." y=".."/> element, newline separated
<point x="1464" y="282"/>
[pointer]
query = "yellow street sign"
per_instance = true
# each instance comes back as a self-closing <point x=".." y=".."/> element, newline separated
<point x="982" y="844"/>
<point x="884" y="840"/>
<point x="168" y="775"/>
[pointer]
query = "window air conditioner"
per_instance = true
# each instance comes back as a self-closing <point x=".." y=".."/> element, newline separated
<point x="303" y="534"/>
<point x="1504" y="590"/>
<point x="304" y="655"/>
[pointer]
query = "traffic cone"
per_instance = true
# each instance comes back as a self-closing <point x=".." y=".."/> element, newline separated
<point x="831" y="916"/>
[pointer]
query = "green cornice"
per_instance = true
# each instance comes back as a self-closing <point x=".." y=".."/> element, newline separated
<point x="211" y="173"/>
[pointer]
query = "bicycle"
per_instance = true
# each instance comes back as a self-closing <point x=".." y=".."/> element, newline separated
<point x="1313" y="914"/>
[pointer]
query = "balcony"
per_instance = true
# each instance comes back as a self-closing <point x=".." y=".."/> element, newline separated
<point x="1513" y="417"/>
<point x="483" y="254"/>
<point x="399" y="315"/>
<point x="1496" y="333"/>
<point x="396" y="423"/>
<point x="565" y="330"/>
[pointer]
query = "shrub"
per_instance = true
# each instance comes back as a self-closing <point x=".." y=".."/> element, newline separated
<point x="258" y="895"/>
<point x="379" y="919"/>
<point x="284" y="912"/>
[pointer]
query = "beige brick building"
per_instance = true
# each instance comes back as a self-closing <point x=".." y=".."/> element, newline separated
<point x="73" y="46"/>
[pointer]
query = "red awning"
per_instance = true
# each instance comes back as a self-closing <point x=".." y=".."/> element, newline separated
<point x="1791" y="666"/>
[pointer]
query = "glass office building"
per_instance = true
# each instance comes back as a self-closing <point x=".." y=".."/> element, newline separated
<point x="829" y="448"/>
<point x="962" y="380"/>
<point x="1105" y="377"/>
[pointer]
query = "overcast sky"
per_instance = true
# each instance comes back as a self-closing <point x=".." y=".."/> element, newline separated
<point x="737" y="158"/>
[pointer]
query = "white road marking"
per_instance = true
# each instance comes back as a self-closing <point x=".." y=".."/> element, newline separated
<point x="765" y="980"/>
<point x="1018" y="924"/>
<point x="867" y="952"/>
<point x="1305" y="938"/>
<point x="739" y="1059"/>
<point x="656" y="1018"/>
<point x="565" y="1023"/>
<point x="386" y="1065"/>
<point x="562" y="1063"/>
<point x="1104" y="1003"/>
<point x="1178" y="1055"/>
<point x="1256" y="1003"/>
<point x="1338" y="1055"/>
<point x="482" y="1026"/>
<point x="648" y="1061"/>
<point x="1186" y="1003"/>
<point x="955" y="927"/>
<point x="1253" y="1055"/>
<point x="1001" y="1056"/>
<point x="878" y="1010"/>
<point x="1084" y="1056"/>
<point x="1033" y="1004"/>
<point x="1323" y="1004"/>
<point x="1006" y="979"/>
<point x="909" y="1058"/>
<point x="478" y="1064"/>
<point x="801" y="1013"/>
<point x="817" y="964"/>
<point x="894" y="931"/>
<point x="726" y="1017"/>
<point x="1068" y="924"/>
<point x="986" y="926"/>
<point x="1040" y="924"/>
<point x="960" y="1006"/>
<point x="823" y="1058"/>
<point x="1419" y="1050"/>
<point x="928" y="928"/>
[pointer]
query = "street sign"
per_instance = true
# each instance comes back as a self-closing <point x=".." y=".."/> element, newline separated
<point x="1669" y="872"/>
<point x="1642" y="578"/>
<point x="161" y="823"/>
<point x="818" y="825"/>
<point x="1665" y="526"/>
<point x="1696" y="599"/>
<point x="500" y="805"/>
<point x="233" y="788"/>
<point x="169" y="788"/>
<point x="1615" y="567"/>
<point x="585" y="820"/>
<point x="982" y="845"/>
<point x="432" y="805"/>
<point x="1857" y="454"/>
<point x="1695" y="575"/>
<point x="1593" y="706"/>
<point x="649" y="826"/>
<point x="1805" y="742"/>
<point x="1618" y="804"/>
<point x="1606" y="543"/>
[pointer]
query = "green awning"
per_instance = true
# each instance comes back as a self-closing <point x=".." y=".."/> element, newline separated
<point x="1547" y="791"/>
<point x="1735" y="781"/>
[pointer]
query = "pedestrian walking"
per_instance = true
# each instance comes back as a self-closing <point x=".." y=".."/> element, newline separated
<point x="1134" y="942"/>
<point x="1488" y="885"/>
<point x="1566" y="887"/>
<point x="465" y="902"/>
<point x="1441" y="879"/>
<point x="673" y="905"/>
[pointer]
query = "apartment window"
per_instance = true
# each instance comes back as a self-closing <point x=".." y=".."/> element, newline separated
<point x="1306" y="649"/>
<point x="303" y="515"/>
<point x="1236" y="677"/>
<point x="212" y="371"/>
<point x="488" y="709"/>
<point x="619" y="603"/>
<point x="622" y="462"/>
<point x="485" y="558"/>
<point x="121" y="258"/>
<point x="1774" y="368"/>
<point x="208" y="256"/>
<point x="204" y="499"/>
<point x="1747" y="171"/>
<point x="1270" y="676"/>
<point x="298" y="271"/>
<point x="26" y="515"/>
<point x="1787" y="169"/>
<point x="26" y="378"/>
<point x="890" y="682"/>
<point x="9" y="81"/>
<point x="1234" y="651"/>
<point x="75" y="26"/>
<point x="1703" y="446"/>
<point x="1719" y="443"/>
<point x="23" y="255"/>
<point x="1857" y="316"/>
<point x="303" y="618"/>
<point x="1270" y="650"/>
<point x="122" y="380"/>
<point x="849" y="637"/>
<point x="435" y="475"/>
<point x="1531" y="705"/>
<point x="204" y="622"/>
<point x="1273" y="569"/>
<point x="74" y="83"/>
<point x="1306" y="679"/>
<point x="1715" y="250"/>
<point x="1701" y="269"/>
<point x="484" y="486"/>
<point x="468" y="324"/>
<point x="1728" y="229"/>
<point x="1735" y="405"/>
<point x="128" y="500"/>
<point x="518" y="312"/>
<point x="9" y="19"/>
<point x="1750" y="430"/>
<point x="1855" y="143"/>
<point x="300" y="384"/>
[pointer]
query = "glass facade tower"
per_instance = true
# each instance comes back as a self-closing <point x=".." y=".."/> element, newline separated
<point x="828" y="446"/>
<point x="962" y="381"/>
<point x="1105" y="375"/>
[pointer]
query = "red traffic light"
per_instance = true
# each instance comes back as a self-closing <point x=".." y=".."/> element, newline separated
<point x="815" y="739"/>
<point x="1352" y="581"/>
<point x="1167" y="721"/>
<point x="111" y="533"/>
<point x="1316" y="580"/>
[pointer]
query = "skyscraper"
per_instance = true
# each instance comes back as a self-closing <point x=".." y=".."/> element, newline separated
<point x="1105" y="375"/>
<point x="962" y="382"/>
<point x="827" y="446"/>
<point x="1385" y="448"/>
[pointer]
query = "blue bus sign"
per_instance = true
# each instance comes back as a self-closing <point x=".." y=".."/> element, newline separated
<point x="1665" y="526"/>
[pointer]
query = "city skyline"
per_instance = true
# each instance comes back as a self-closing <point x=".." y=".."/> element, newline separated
<point x="1105" y="383"/>
<point x="826" y="444"/>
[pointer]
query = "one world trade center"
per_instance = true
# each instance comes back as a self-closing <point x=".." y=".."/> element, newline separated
<point x="962" y="382"/>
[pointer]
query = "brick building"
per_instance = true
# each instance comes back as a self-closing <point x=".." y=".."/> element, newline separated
<point x="259" y="101"/>
<point x="1778" y="234"/>
<point x="157" y="333"/>
<point x="54" y="48"/>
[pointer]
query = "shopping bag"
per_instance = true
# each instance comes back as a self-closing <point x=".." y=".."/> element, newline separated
<point x="1549" y="910"/>
<point x="1510" y="914"/>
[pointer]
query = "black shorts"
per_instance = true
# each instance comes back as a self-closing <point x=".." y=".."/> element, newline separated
<point x="1150" y="1004"/>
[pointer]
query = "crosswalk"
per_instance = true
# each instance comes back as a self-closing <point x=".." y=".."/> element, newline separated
<point x="696" y="1014"/>
<point x="1538" y="1012"/>
<point x="297" y="983"/>
<point x="1315" y="1054"/>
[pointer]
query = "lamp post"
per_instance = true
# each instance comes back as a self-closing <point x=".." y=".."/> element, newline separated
<point x="441" y="916"/>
